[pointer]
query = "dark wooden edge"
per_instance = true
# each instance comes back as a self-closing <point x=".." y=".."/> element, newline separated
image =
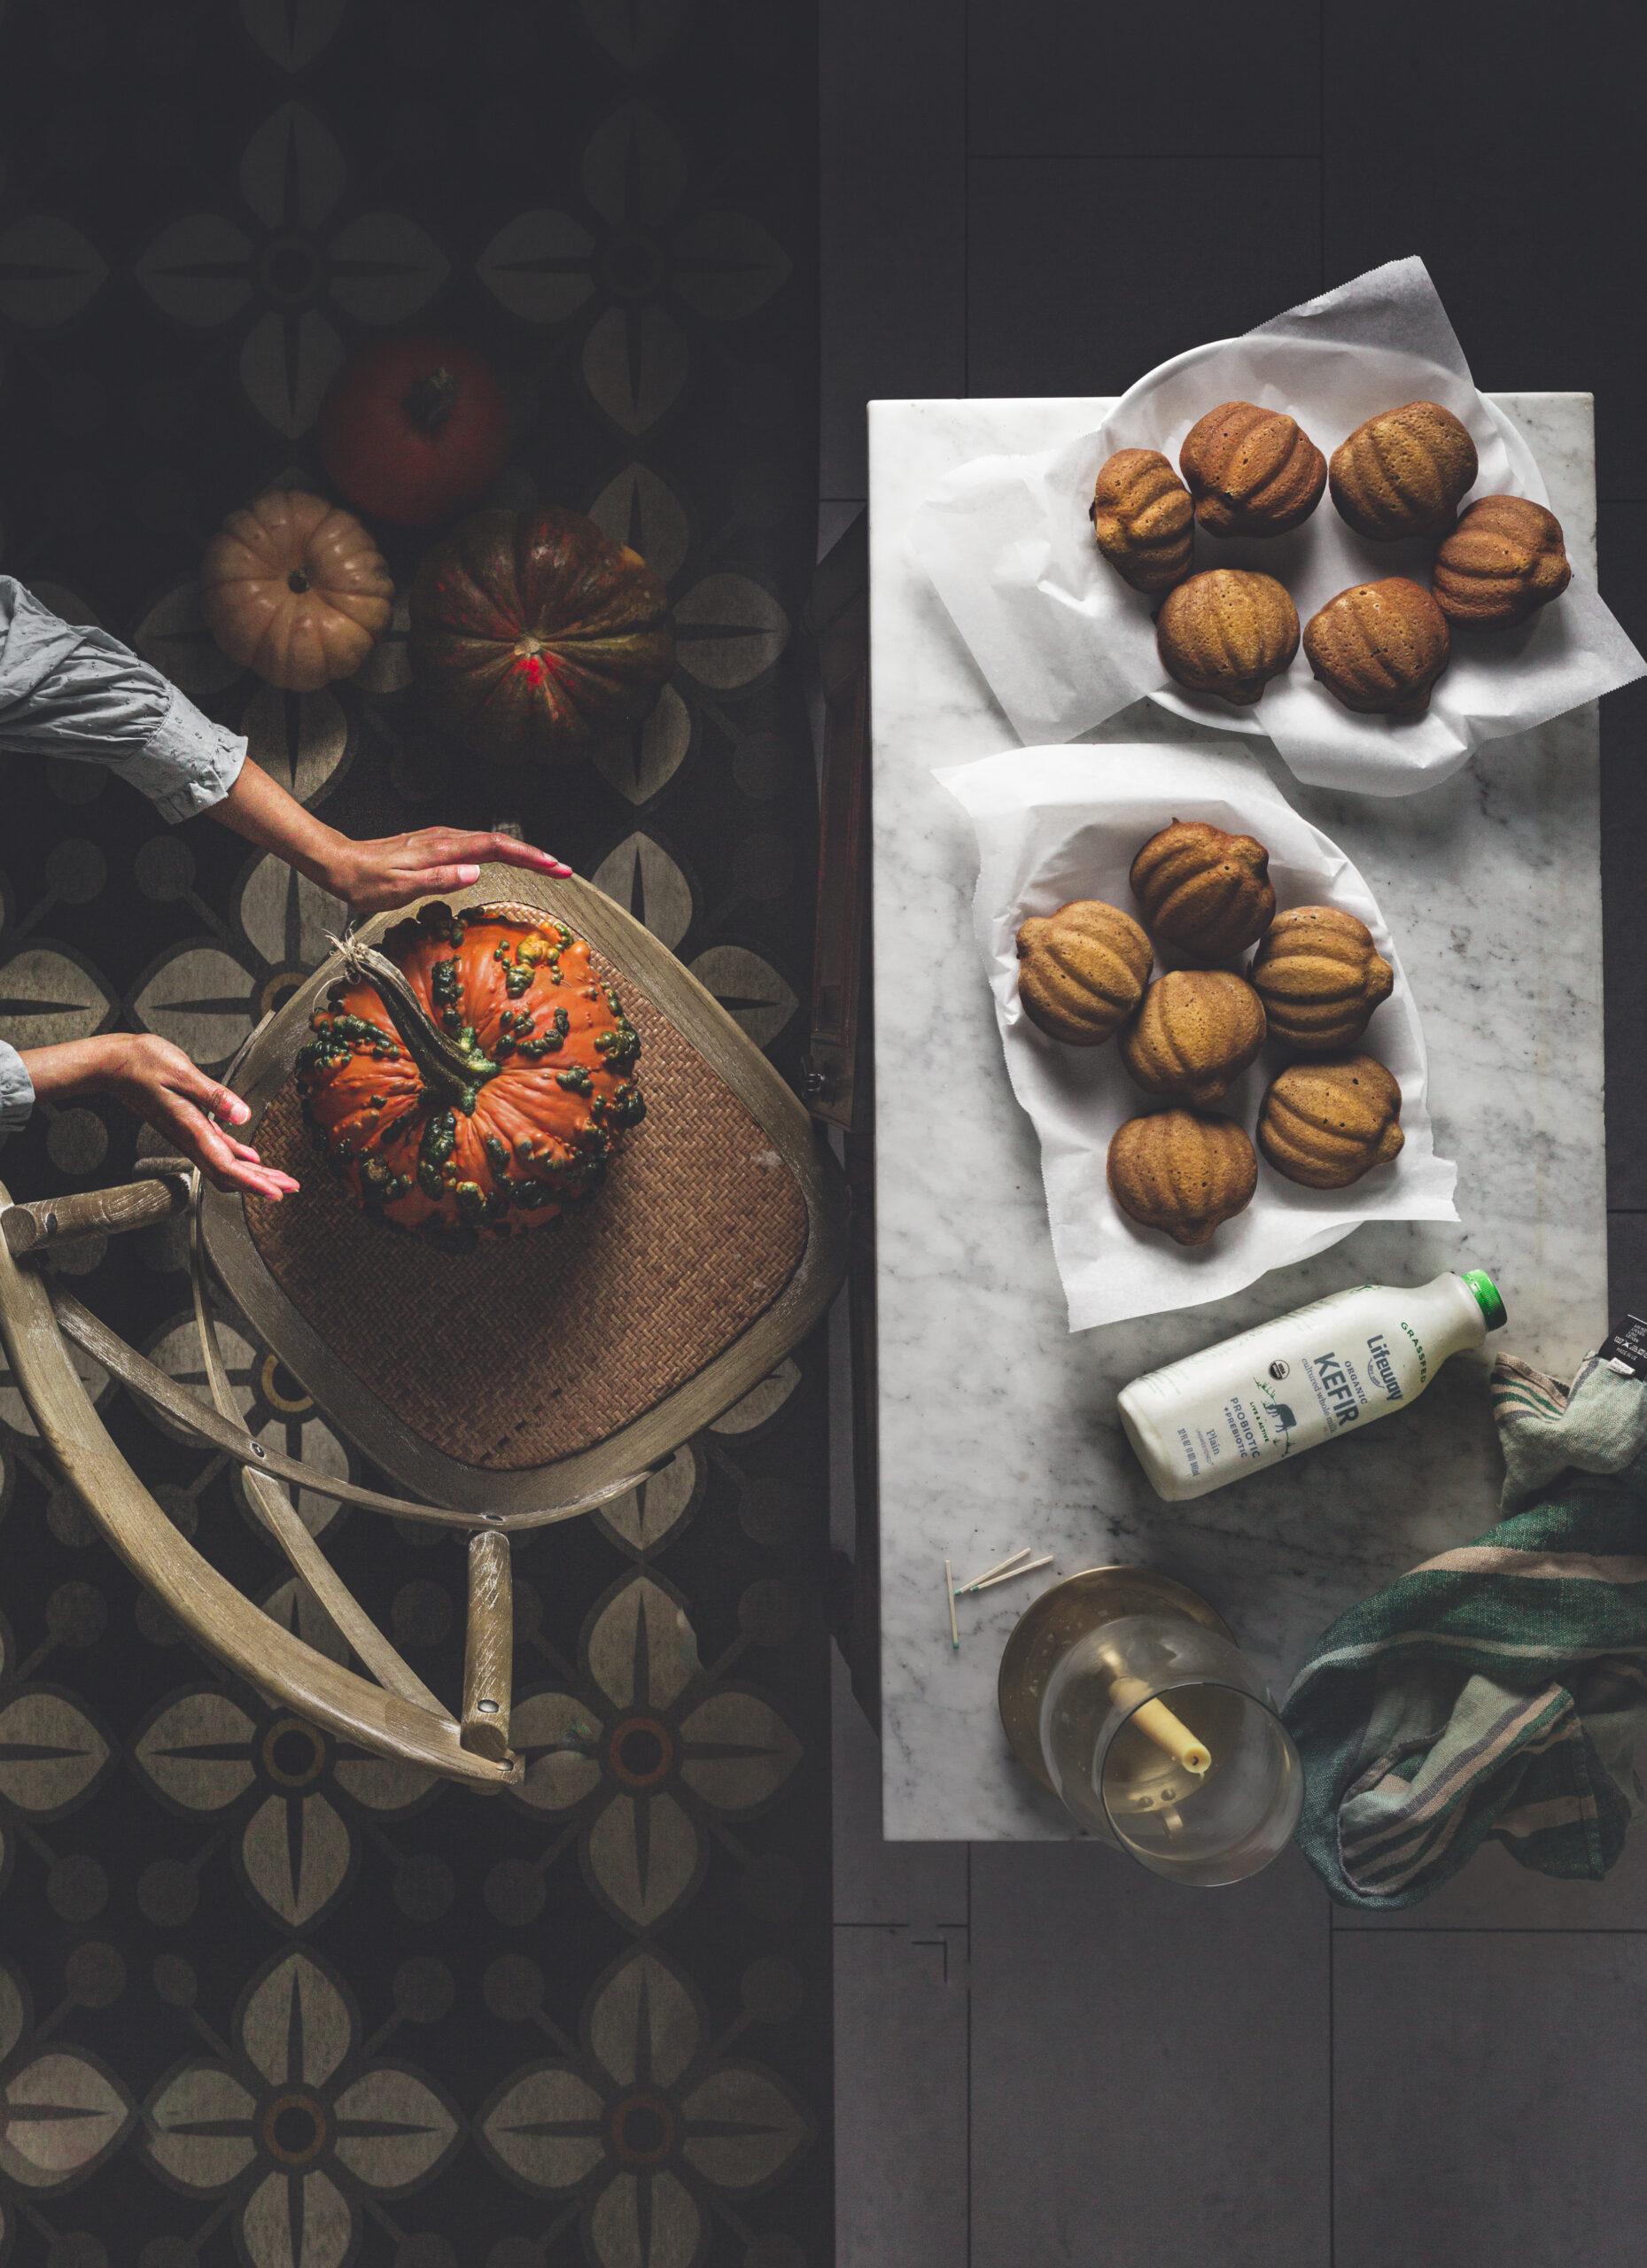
<point x="840" y="1069"/>
<point x="561" y="1489"/>
<point x="838" y="617"/>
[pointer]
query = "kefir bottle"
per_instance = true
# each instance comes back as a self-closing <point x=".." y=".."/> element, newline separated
<point x="1304" y="1378"/>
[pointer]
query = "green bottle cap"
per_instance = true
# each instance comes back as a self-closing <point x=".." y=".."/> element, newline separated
<point x="1486" y="1296"/>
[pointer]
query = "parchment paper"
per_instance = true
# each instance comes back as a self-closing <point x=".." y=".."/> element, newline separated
<point x="1058" y="823"/>
<point x="1066" y="644"/>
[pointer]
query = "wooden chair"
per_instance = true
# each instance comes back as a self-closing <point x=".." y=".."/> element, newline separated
<point x="683" y="1299"/>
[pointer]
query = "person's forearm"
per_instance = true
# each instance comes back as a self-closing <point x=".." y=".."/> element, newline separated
<point x="259" y="808"/>
<point x="192" y="1111"/>
<point x="369" y="877"/>
<point x="74" y="1067"/>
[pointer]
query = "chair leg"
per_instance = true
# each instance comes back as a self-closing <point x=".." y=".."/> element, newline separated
<point x="488" y="1655"/>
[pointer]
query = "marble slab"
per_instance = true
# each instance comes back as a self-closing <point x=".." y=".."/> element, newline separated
<point x="998" y="1426"/>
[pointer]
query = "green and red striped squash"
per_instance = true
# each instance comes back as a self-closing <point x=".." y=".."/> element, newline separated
<point x="533" y="634"/>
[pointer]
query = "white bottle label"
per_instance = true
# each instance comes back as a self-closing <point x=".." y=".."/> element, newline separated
<point x="1288" y="1385"/>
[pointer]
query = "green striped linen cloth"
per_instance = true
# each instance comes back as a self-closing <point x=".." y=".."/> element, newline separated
<point x="1500" y="1688"/>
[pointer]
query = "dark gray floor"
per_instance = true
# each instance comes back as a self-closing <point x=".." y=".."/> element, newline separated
<point x="1041" y="2056"/>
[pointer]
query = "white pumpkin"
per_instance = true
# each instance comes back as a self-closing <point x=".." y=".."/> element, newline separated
<point x="294" y="588"/>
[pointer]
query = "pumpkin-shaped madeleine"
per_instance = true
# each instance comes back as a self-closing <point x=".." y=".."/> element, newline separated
<point x="1327" y="1122"/>
<point x="1082" y="971"/>
<point x="1503" y="560"/>
<point x="1320" y="977"/>
<point x="1403" y="472"/>
<point x="1379" y="647"/>
<point x="294" y="588"/>
<point x="1196" y="1033"/>
<point x="1227" y="631"/>
<point x="1144" y="520"/>
<point x="1205" y="894"/>
<point x="1185" y="1172"/>
<point x="1251" y="472"/>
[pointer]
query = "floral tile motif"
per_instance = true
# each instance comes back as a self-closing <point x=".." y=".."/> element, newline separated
<point x="275" y="1407"/>
<point x="294" y="1791"/>
<point x="293" y="2126"/>
<point x="225" y="202"/>
<point x="649" y="1754"/>
<point x="62" y="2113"/>
<point x="288" y="265"/>
<point x="636" y="248"/>
<point x="651" y="2132"/>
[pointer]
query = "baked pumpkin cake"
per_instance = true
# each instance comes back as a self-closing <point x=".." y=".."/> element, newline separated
<point x="1379" y="648"/>
<point x="1081" y="970"/>
<point x="1205" y="893"/>
<point x="1142" y="520"/>
<point x="1504" y="560"/>
<point x="1251" y="472"/>
<point x="1403" y="472"/>
<point x="1227" y="633"/>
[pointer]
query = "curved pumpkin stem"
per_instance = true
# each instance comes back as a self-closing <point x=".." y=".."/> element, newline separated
<point x="453" y="1068"/>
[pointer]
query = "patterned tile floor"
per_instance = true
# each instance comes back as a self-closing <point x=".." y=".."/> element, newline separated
<point x="263" y="1997"/>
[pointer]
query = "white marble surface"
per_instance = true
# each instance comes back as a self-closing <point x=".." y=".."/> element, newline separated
<point x="999" y="1427"/>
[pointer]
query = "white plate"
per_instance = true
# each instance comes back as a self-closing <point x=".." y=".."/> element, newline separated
<point x="1065" y="644"/>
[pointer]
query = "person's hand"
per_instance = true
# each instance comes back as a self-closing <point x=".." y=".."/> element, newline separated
<point x="376" y="877"/>
<point x="160" y="1084"/>
<point x="369" y="877"/>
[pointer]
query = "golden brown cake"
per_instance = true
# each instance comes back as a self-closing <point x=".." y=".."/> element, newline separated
<point x="1205" y="894"/>
<point x="1503" y="560"/>
<point x="1251" y="472"/>
<point x="1379" y="647"/>
<point x="1319" y="978"/>
<point x="1144" y="520"/>
<point x="1403" y="472"/>
<point x="1082" y="971"/>
<point x="1185" y="1172"/>
<point x="1227" y="631"/>
<point x="1327" y="1123"/>
<point x="1196" y="1033"/>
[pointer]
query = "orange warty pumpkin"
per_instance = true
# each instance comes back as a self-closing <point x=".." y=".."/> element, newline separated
<point x="470" y="1079"/>
<point x="1503" y="560"/>
<point x="1143" y="519"/>
<point x="294" y="588"/>
<point x="1251" y="472"/>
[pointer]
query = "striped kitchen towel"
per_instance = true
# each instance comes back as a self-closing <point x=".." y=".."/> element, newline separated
<point x="1500" y="1688"/>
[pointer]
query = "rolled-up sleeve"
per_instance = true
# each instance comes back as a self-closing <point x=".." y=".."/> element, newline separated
<point x="17" y="1091"/>
<point x="76" y="693"/>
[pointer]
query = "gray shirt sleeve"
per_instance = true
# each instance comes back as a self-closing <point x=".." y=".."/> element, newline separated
<point x="17" y="1091"/>
<point x="68" y="691"/>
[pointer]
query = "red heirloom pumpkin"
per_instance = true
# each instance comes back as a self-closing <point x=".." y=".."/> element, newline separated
<point x="532" y="632"/>
<point x="413" y="429"/>
<point x="471" y="1079"/>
